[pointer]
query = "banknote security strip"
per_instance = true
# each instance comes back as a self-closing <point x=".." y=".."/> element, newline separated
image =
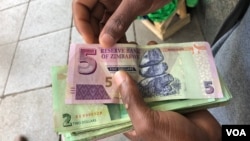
<point x="163" y="72"/>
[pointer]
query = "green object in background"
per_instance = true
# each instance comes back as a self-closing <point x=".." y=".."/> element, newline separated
<point x="191" y="3"/>
<point x="163" y="13"/>
<point x="166" y="11"/>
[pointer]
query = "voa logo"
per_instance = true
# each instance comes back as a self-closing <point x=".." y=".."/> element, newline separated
<point x="236" y="132"/>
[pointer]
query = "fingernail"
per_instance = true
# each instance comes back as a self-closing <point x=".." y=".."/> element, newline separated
<point x="152" y="43"/>
<point x="120" y="77"/>
<point x="133" y="133"/>
<point x="126" y="106"/>
<point x="107" y="40"/>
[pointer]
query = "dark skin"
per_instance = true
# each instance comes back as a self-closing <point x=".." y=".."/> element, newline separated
<point x="150" y="125"/>
<point x="105" y="22"/>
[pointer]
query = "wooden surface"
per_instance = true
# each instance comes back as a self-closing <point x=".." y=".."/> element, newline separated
<point x="175" y="22"/>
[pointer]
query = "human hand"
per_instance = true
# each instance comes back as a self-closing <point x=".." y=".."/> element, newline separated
<point x="150" y="125"/>
<point x="106" y="21"/>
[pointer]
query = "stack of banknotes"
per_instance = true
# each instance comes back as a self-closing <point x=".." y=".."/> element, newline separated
<point x="173" y="76"/>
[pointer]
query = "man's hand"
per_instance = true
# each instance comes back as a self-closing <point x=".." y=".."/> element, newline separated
<point x="106" y="21"/>
<point x="150" y="125"/>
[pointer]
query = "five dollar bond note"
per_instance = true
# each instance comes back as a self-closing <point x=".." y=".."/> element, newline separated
<point x="162" y="72"/>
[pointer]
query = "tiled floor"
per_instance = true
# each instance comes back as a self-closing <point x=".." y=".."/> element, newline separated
<point x="36" y="35"/>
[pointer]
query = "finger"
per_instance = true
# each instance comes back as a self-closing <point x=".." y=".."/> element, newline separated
<point x="130" y="135"/>
<point x="81" y="14"/>
<point x="97" y="11"/>
<point x="96" y="29"/>
<point x="111" y="5"/>
<point x="123" y="39"/>
<point x="96" y="18"/>
<point x="124" y="15"/>
<point x="131" y="97"/>
<point x="104" y="19"/>
<point x="117" y="25"/>
<point x="152" y="43"/>
<point x="206" y="124"/>
<point x="132" y="42"/>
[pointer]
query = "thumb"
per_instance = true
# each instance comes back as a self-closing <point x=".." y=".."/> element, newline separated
<point x="117" y="24"/>
<point x="131" y="97"/>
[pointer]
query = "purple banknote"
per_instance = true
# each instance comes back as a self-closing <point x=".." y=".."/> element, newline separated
<point x="163" y="71"/>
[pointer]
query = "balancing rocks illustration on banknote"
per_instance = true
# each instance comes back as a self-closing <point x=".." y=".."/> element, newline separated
<point x="157" y="81"/>
<point x="163" y="72"/>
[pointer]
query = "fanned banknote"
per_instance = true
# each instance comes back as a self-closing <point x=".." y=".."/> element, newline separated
<point x="162" y="72"/>
<point x="75" y="117"/>
<point x="96" y="121"/>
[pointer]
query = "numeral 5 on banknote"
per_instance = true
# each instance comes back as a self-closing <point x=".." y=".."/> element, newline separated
<point x="87" y="65"/>
<point x="162" y="72"/>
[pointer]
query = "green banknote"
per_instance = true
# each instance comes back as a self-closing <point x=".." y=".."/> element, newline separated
<point x="97" y="134"/>
<point x="79" y="122"/>
<point x="76" y="116"/>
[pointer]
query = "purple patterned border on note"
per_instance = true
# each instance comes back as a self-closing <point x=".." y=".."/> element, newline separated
<point x="90" y="92"/>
